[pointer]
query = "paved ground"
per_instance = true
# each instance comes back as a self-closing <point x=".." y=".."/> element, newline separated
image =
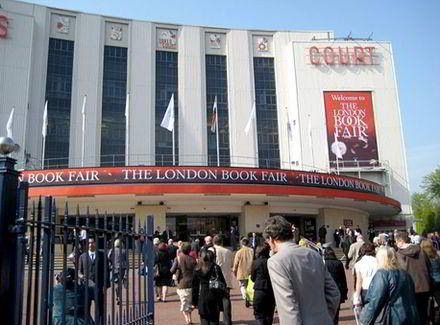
<point x="168" y="313"/>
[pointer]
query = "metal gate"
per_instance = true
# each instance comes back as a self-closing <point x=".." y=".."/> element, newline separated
<point x="72" y="269"/>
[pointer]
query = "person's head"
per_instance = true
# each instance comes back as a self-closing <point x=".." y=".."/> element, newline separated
<point x="206" y="260"/>
<point x="180" y="244"/>
<point x="117" y="243"/>
<point x="208" y="240"/>
<point x="367" y="249"/>
<point x="376" y="241"/>
<point x="262" y="251"/>
<point x="67" y="278"/>
<point x="254" y="234"/>
<point x="360" y="239"/>
<point x="156" y="241"/>
<point x="277" y="230"/>
<point x="162" y="246"/>
<point x="401" y="238"/>
<point x="428" y="248"/>
<point x="218" y="240"/>
<point x="304" y="243"/>
<point x="170" y="242"/>
<point x="329" y="253"/>
<point x="158" y="228"/>
<point x="244" y="241"/>
<point x="92" y="244"/>
<point x="386" y="258"/>
<point x="186" y="249"/>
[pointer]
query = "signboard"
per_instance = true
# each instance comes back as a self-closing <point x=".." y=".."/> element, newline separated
<point x="199" y="175"/>
<point x="351" y="132"/>
<point x="357" y="55"/>
<point x="348" y="223"/>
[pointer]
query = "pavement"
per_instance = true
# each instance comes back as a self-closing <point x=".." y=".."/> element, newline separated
<point x="169" y="313"/>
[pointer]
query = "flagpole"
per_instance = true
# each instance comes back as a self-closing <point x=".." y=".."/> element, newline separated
<point x="42" y="155"/>
<point x="174" y="149"/>
<point x="311" y="141"/>
<point x="127" y="124"/>
<point x="83" y="130"/>
<point x="289" y="126"/>
<point x="216" y="132"/>
<point x="256" y="134"/>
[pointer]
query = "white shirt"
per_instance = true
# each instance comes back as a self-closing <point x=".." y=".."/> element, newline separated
<point x="92" y="255"/>
<point x="367" y="267"/>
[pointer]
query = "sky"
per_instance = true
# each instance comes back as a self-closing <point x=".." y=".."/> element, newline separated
<point x="412" y="28"/>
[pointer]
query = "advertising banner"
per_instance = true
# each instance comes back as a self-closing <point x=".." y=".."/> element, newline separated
<point x="195" y="175"/>
<point x="351" y="133"/>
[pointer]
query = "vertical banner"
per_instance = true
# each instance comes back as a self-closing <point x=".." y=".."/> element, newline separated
<point x="351" y="134"/>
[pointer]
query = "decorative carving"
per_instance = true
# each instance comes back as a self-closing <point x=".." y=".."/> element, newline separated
<point x="63" y="25"/>
<point x="215" y="41"/>
<point x="116" y="32"/>
<point x="167" y="39"/>
<point x="262" y="44"/>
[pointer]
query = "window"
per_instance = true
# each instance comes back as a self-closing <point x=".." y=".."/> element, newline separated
<point x="217" y="85"/>
<point x="58" y="96"/>
<point x="166" y="86"/>
<point x="266" y="107"/>
<point x="114" y="94"/>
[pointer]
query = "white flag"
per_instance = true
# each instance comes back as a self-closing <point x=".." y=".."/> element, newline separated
<point x="250" y="121"/>
<point x="337" y="151"/>
<point x="83" y="112"/>
<point x="44" y="129"/>
<point x="214" y="116"/>
<point x="10" y="123"/>
<point x="168" y="118"/>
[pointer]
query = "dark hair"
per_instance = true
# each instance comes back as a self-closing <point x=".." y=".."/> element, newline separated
<point x="205" y="262"/>
<point x="69" y="275"/>
<point x="402" y="235"/>
<point x="244" y="241"/>
<point x="329" y="253"/>
<point x="278" y="228"/>
<point x="186" y="249"/>
<point x="367" y="249"/>
<point x="218" y="240"/>
<point x="262" y="251"/>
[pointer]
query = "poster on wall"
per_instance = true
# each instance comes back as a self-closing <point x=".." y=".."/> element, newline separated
<point x="351" y="133"/>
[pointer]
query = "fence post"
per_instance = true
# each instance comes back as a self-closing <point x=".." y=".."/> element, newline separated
<point x="8" y="240"/>
<point x="150" y="252"/>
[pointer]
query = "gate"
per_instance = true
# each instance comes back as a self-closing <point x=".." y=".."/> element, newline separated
<point x="77" y="269"/>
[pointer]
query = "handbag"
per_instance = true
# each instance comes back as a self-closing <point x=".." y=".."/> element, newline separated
<point x="216" y="285"/>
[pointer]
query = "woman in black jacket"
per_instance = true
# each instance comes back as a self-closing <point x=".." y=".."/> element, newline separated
<point x="206" y="300"/>
<point x="336" y="270"/>
<point x="264" y="300"/>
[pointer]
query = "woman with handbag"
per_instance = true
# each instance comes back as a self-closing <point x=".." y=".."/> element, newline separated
<point x="207" y="286"/>
<point x="184" y="278"/>
<point x="264" y="299"/>
<point x="391" y="296"/>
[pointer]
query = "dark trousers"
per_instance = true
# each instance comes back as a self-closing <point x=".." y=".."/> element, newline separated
<point x="227" y="310"/>
<point x="336" y="319"/>
<point x="422" y="306"/>
<point x="208" y="322"/>
<point x="264" y="307"/>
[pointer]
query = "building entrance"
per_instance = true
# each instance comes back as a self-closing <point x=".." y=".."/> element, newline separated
<point x="186" y="227"/>
<point x="305" y="223"/>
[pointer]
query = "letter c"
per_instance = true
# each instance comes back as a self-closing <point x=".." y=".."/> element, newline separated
<point x="3" y="26"/>
<point x="314" y="55"/>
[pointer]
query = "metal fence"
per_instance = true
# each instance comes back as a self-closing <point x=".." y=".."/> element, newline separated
<point x="90" y="271"/>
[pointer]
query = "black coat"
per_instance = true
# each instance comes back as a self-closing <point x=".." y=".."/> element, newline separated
<point x="203" y="298"/>
<point x="336" y="270"/>
<point x="94" y="268"/>
<point x="163" y="264"/>
<point x="264" y="299"/>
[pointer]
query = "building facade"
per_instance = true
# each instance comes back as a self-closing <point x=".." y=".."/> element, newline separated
<point x="296" y="105"/>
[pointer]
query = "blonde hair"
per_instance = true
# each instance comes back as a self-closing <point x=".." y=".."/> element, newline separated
<point x="303" y="243"/>
<point x="386" y="258"/>
<point x="428" y="248"/>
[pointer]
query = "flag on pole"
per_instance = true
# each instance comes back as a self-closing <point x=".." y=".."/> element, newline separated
<point x="250" y="121"/>
<point x="83" y="112"/>
<point x="168" y="118"/>
<point x="214" y="116"/>
<point x="44" y="129"/>
<point x="10" y="123"/>
<point x="337" y="152"/>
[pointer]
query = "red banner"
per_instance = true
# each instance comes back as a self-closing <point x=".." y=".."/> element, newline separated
<point x="351" y="133"/>
<point x="198" y="175"/>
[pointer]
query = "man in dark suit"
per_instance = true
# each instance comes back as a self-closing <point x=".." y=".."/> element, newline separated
<point x="91" y="270"/>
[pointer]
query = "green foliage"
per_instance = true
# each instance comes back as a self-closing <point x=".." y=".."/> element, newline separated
<point x="426" y="205"/>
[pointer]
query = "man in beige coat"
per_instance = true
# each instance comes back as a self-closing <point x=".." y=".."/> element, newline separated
<point x="242" y="265"/>
<point x="224" y="259"/>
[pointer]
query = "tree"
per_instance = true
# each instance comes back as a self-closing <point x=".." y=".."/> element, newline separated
<point x="426" y="205"/>
<point x="431" y="184"/>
